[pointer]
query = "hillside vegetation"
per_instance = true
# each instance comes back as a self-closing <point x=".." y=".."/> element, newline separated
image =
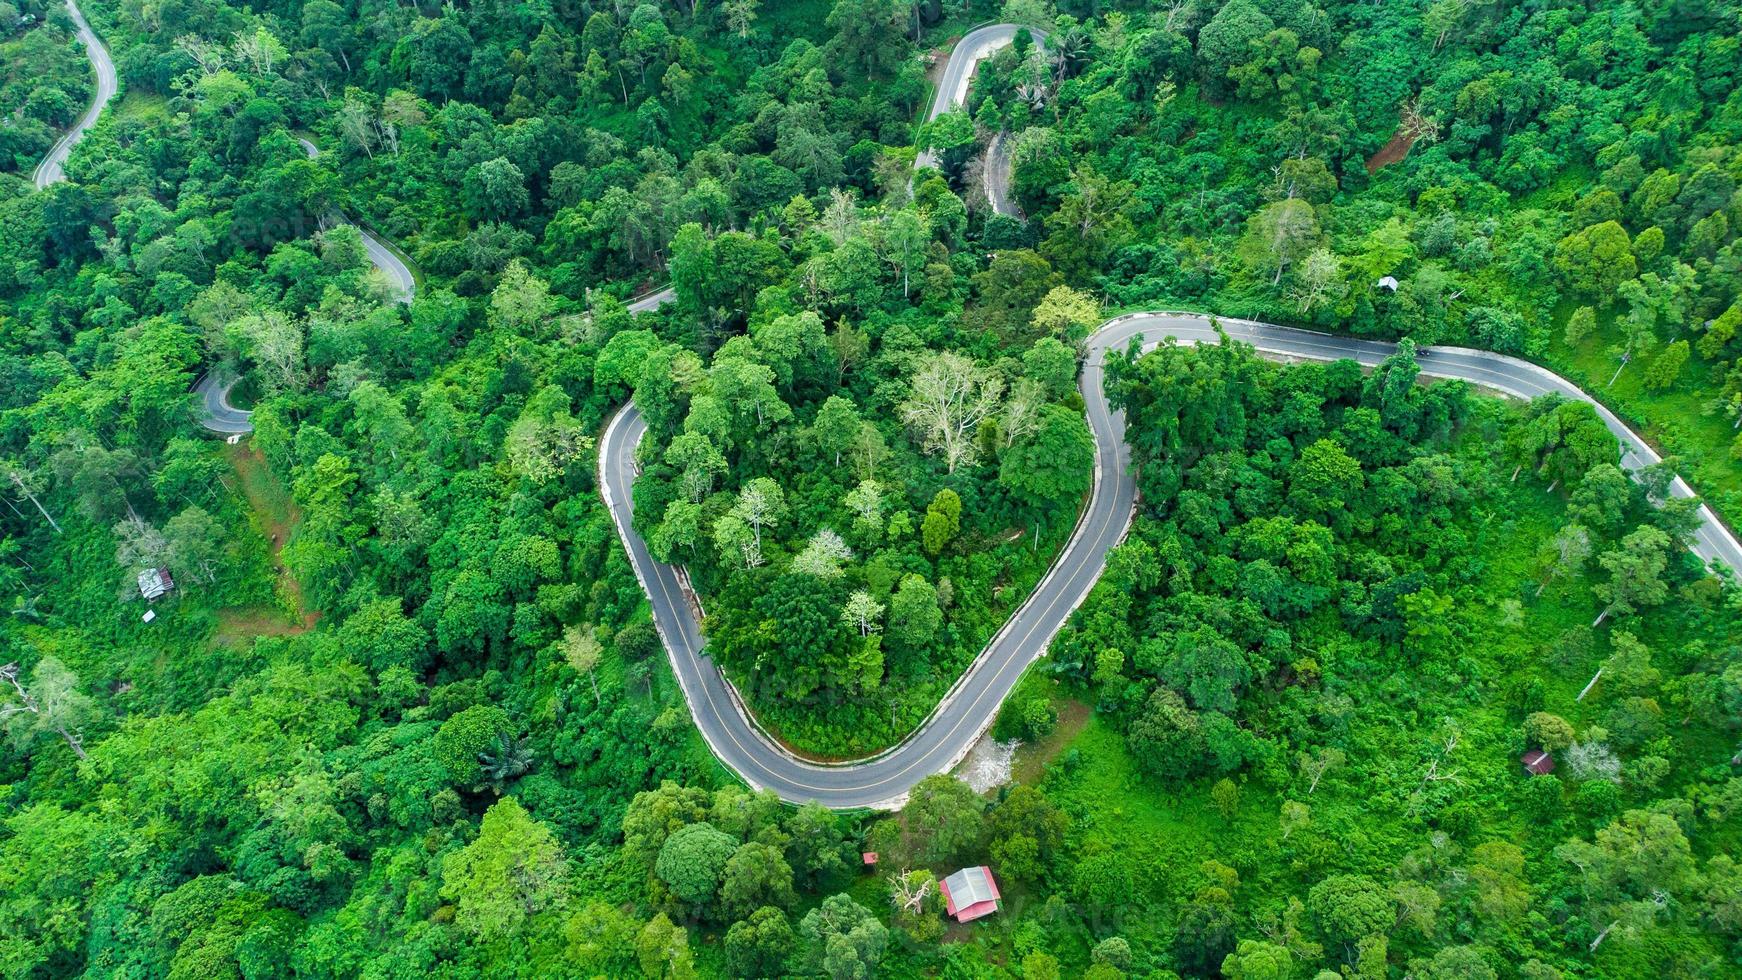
<point x="406" y="712"/>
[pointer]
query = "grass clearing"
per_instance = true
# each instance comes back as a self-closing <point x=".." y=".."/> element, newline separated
<point x="1675" y="421"/>
<point x="277" y="517"/>
<point x="1032" y="759"/>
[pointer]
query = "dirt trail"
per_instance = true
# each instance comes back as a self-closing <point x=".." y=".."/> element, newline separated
<point x="278" y="517"/>
<point x="1393" y="151"/>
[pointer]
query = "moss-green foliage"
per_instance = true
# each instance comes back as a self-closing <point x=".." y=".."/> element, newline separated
<point x="1315" y="660"/>
<point x="462" y="737"/>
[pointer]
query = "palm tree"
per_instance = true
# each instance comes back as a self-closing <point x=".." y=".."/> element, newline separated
<point x="508" y="759"/>
<point x="1070" y="52"/>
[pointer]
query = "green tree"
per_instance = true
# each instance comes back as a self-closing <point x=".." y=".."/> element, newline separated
<point x="1580" y="325"/>
<point x="837" y="426"/>
<point x="1114" y="951"/>
<point x="948" y="820"/>
<point x="663" y="950"/>
<point x="1053" y="466"/>
<point x="1028" y="834"/>
<point x="755" y="876"/>
<point x="1635" y="570"/>
<point x="1226" y="796"/>
<point x="1324" y="476"/>
<point x="1666" y="366"/>
<point x="1090" y="224"/>
<point x="1550" y="731"/>
<point x="1595" y="261"/>
<point x="50" y="704"/>
<point x="1257" y="960"/>
<point x="1279" y="235"/>
<point x="870" y="33"/>
<point x="842" y="939"/>
<point x="914" y="614"/>
<point x="496" y="190"/>
<point x="1165" y="736"/>
<point x="693" y="862"/>
<point x="1350" y="908"/>
<point x="1229" y="39"/>
<point x="1053" y="365"/>
<point x="943" y="520"/>
<point x="760" y="945"/>
<point x="513" y="871"/>
<point x="462" y="737"/>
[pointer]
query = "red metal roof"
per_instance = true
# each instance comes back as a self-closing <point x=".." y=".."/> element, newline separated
<point x="1539" y="763"/>
<point x="970" y="893"/>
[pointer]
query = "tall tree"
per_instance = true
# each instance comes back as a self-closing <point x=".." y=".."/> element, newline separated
<point x="950" y="396"/>
<point x="514" y="870"/>
<point x="51" y="704"/>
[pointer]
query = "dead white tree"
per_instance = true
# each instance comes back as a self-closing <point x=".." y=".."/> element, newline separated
<point x="582" y="649"/>
<point x="862" y="613"/>
<point x="823" y="555"/>
<point x="1566" y="555"/>
<point x="951" y="396"/>
<point x="1022" y="410"/>
<point x="24" y="481"/>
<point x="1314" y="765"/>
<point x="908" y="892"/>
<point x="1433" y="774"/>
<point x="209" y="55"/>
<point x="1419" y="127"/>
<point x="259" y="50"/>
<point x="274" y="341"/>
<point x="55" y="705"/>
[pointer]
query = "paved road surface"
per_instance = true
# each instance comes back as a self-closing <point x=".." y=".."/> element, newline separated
<point x="976" y="46"/>
<point x="51" y="169"/>
<point x="652" y="301"/>
<point x="969" y="708"/>
<point x="380" y="256"/>
<point x="995" y="178"/>
<point x="216" y="412"/>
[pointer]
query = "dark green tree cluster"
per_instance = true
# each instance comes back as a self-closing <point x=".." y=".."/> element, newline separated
<point x="47" y="82"/>
<point x="861" y="503"/>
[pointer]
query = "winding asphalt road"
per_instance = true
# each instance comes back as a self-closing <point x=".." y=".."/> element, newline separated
<point x="213" y="388"/>
<point x="216" y="412"/>
<point x="380" y="256"/>
<point x="974" y="47"/>
<point x="883" y="781"/>
<point x="959" y="720"/>
<point x="52" y="168"/>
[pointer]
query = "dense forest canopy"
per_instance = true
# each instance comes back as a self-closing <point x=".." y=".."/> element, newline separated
<point x="47" y="81"/>
<point x="405" y="711"/>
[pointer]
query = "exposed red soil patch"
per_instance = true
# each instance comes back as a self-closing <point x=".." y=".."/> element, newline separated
<point x="1393" y="151"/>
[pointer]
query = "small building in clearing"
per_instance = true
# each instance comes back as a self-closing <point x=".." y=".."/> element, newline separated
<point x="155" y="583"/>
<point x="970" y="893"/>
<point x="1537" y="762"/>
